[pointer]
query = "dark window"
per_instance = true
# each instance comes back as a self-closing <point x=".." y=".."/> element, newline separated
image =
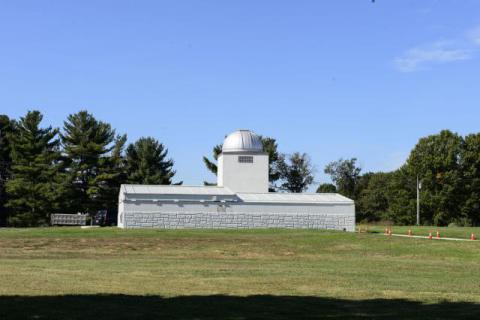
<point x="245" y="159"/>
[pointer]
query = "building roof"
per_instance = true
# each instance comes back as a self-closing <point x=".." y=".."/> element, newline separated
<point x="173" y="189"/>
<point x="271" y="197"/>
<point x="242" y="141"/>
<point x="275" y="197"/>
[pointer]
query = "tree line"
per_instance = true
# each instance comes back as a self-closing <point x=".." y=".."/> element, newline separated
<point x="448" y="168"/>
<point x="80" y="167"/>
<point x="76" y="169"/>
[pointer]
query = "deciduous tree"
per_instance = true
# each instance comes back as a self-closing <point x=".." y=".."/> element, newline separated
<point x="436" y="160"/>
<point x="345" y="174"/>
<point x="470" y="157"/>
<point x="326" y="188"/>
<point x="296" y="172"/>
<point x="372" y="199"/>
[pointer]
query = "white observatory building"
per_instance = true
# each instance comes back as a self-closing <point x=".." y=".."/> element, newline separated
<point x="240" y="199"/>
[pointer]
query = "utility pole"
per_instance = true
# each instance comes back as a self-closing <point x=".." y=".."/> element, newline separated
<point x="419" y="186"/>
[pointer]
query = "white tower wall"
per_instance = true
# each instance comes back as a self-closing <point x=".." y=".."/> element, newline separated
<point x="243" y="172"/>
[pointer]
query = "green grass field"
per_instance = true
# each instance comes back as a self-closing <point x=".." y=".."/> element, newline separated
<point x="450" y="232"/>
<point x="109" y="273"/>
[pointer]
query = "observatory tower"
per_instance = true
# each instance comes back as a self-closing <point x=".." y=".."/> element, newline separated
<point x="243" y="165"/>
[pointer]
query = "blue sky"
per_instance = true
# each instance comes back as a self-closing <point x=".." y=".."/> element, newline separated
<point x="330" y="78"/>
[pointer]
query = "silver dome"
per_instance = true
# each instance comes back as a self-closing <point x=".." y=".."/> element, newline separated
<point x="242" y="141"/>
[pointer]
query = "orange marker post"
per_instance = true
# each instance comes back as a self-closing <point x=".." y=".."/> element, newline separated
<point x="472" y="237"/>
<point x="430" y="236"/>
<point x="438" y="235"/>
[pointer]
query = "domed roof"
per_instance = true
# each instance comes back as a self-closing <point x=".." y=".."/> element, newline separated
<point x="242" y="141"/>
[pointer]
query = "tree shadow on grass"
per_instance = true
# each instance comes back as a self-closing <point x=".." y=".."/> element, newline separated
<point x="225" y="307"/>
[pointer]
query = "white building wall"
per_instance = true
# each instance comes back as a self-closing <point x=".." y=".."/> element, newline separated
<point x="141" y="214"/>
<point x="121" y="210"/>
<point x="243" y="177"/>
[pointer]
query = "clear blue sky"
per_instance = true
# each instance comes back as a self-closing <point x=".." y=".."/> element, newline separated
<point x="330" y="78"/>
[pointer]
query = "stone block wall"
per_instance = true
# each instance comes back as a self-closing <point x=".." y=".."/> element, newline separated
<point x="182" y="220"/>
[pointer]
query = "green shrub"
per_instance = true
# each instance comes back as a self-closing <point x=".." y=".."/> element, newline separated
<point x="27" y="219"/>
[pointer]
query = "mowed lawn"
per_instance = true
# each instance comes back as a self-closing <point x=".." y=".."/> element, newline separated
<point x="109" y="273"/>
<point x="450" y="232"/>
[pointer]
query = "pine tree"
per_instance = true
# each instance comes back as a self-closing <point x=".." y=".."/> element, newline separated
<point x="211" y="165"/>
<point x="147" y="163"/>
<point x="112" y="173"/>
<point x="270" y="147"/>
<point x="6" y="128"/>
<point x="32" y="189"/>
<point x="87" y="143"/>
